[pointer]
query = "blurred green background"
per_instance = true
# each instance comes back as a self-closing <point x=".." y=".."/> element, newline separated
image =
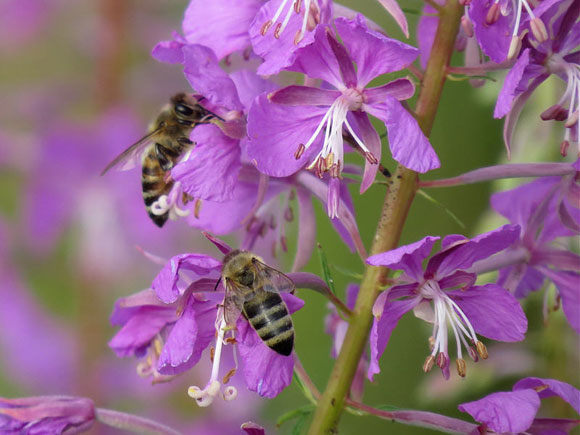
<point x="95" y="54"/>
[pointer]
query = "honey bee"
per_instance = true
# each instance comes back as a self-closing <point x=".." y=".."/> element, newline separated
<point x="253" y="288"/>
<point x="162" y="147"/>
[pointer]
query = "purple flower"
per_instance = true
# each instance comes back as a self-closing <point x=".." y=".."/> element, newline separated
<point x="538" y="207"/>
<point x="175" y="322"/>
<point x="300" y="125"/>
<point x="444" y="293"/>
<point x="539" y="60"/>
<point x="515" y="411"/>
<point x="46" y="414"/>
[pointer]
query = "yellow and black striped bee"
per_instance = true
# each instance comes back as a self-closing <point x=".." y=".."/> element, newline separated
<point x="253" y="288"/>
<point x="166" y="142"/>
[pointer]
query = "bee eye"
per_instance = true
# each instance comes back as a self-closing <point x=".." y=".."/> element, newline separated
<point x="183" y="109"/>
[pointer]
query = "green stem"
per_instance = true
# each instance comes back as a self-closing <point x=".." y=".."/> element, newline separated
<point x="397" y="202"/>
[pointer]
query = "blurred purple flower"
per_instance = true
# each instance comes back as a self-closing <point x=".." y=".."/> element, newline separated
<point x="285" y="127"/>
<point x="555" y="55"/>
<point x="22" y="20"/>
<point x="488" y="310"/>
<point x="515" y="411"/>
<point x="46" y="415"/>
<point x="538" y="208"/>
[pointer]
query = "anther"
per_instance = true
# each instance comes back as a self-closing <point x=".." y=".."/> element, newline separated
<point x="197" y="208"/>
<point x="371" y="158"/>
<point x="572" y="120"/>
<point x="467" y="26"/>
<point x="493" y="14"/>
<point x="428" y="364"/>
<point x="230" y="340"/>
<point x="265" y="27"/>
<point x="298" y="37"/>
<point x="228" y="376"/>
<point x="431" y="343"/>
<point x="278" y="30"/>
<point x="564" y="148"/>
<point x="460" y="362"/>
<point x="473" y="353"/>
<point x="441" y="360"/>
<point x="554" y="113"/>
<point x="297" y="6"/>
<point x="284" y="243"/>
<point x="212" y="354"/>
<point x="289" y="214"/>
<point x="481" y="350"/>
<point x="299" y="151"/>
<point x="515" y="47"/>
<point x="539" y="30"/>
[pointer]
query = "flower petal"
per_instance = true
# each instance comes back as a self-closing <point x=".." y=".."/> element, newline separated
<point x="493" y="39"/>
<point x="513" y="85"/>
<point x="276" y="131"/>
<point x="307" y="229"/>
<point x="250" y="85"/>
<point x="396" y="12"/>
<point x="493" y="311"/>
<point x="211" y="171"/>
<point x="221" y="25"/>
<point x="374" y="53"/>
<point x="204" y="74"/>
<point x="426" y="29"/>
<point x="568" y="284"/>
<point x="369" y="136"/>
<point x="169" y="51"/>
<point x="382" y="329"/>
<point x="462" y="256"/>
<point x="407" y="257"/>
<point x="505" y="412"/>
<point x="304" y="96"/>
<point x="401" y="89"/>
<point x="554" y="388"/>
<point x="408" y="144"/>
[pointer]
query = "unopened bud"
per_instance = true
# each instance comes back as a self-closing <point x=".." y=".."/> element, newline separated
<point x="428" y="364"/>
<point x="515" y="47"/>
<point x="539" y="30"/>
<point x="460" y="362"/>
<point x="467" y="26"/>
<point x="481" y="350"/>
<point x="493" y="14"/>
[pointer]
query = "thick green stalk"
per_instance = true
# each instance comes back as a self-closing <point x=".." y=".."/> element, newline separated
<point x="399" y="197"/>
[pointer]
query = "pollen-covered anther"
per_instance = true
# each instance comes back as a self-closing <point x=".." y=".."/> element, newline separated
<point x="299" y="151"/>
<point x="265" y="27"/>
<point x="515" y="47"/>
<point x="212" y="353"/>
<point x="429" y="363"/>
<point x="539" y="30"/>
<point x="572" y="120"/>
<point x="481" y="350"/>
<point x="441" y="360"/>
<point x="493" y="14"/>
<point x="228" y="376"/>
<point x="197" y="208"/>
<point x="467" y="26"/>
<point x="230" y="340"/>
<point x="461" y="367"/>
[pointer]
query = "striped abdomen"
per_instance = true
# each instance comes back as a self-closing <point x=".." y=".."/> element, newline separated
<point x="154" y="185"/>
<point x="268" y="315"/>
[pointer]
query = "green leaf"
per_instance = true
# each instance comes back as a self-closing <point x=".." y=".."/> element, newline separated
<point x="355" y="275"/>
<point x="325" y="269"/>
<point x="437" y="203"/>
<point x="299" y="425"/>
<point x="302" y="412"/>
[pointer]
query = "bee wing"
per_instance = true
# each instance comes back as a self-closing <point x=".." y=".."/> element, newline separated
<point x="128" y="158"/>
<point x="233" y="303"/>
<point x="272" y="280"/>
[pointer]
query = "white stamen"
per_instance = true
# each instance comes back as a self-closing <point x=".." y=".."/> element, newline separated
<point x="170" y="203"/>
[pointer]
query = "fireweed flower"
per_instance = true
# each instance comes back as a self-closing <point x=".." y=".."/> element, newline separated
<point x="262" y="208"/>
<point x="301" y="125"/>
<point x="501" y="25"/>
<point x="556" y="55"/>
<point x="46" y="414"/>
<point x="515" y="411"/>
<point x="534" y="206"/>
<point x="183" y="316"/>
<point x="488" y="310"/>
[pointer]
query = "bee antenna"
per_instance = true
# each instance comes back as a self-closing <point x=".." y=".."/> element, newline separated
<point x="217" y="283"/>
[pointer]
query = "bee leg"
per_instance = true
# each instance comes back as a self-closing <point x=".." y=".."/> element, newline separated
<point x="184" y="140"/>
<point x="161" y="154"/>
